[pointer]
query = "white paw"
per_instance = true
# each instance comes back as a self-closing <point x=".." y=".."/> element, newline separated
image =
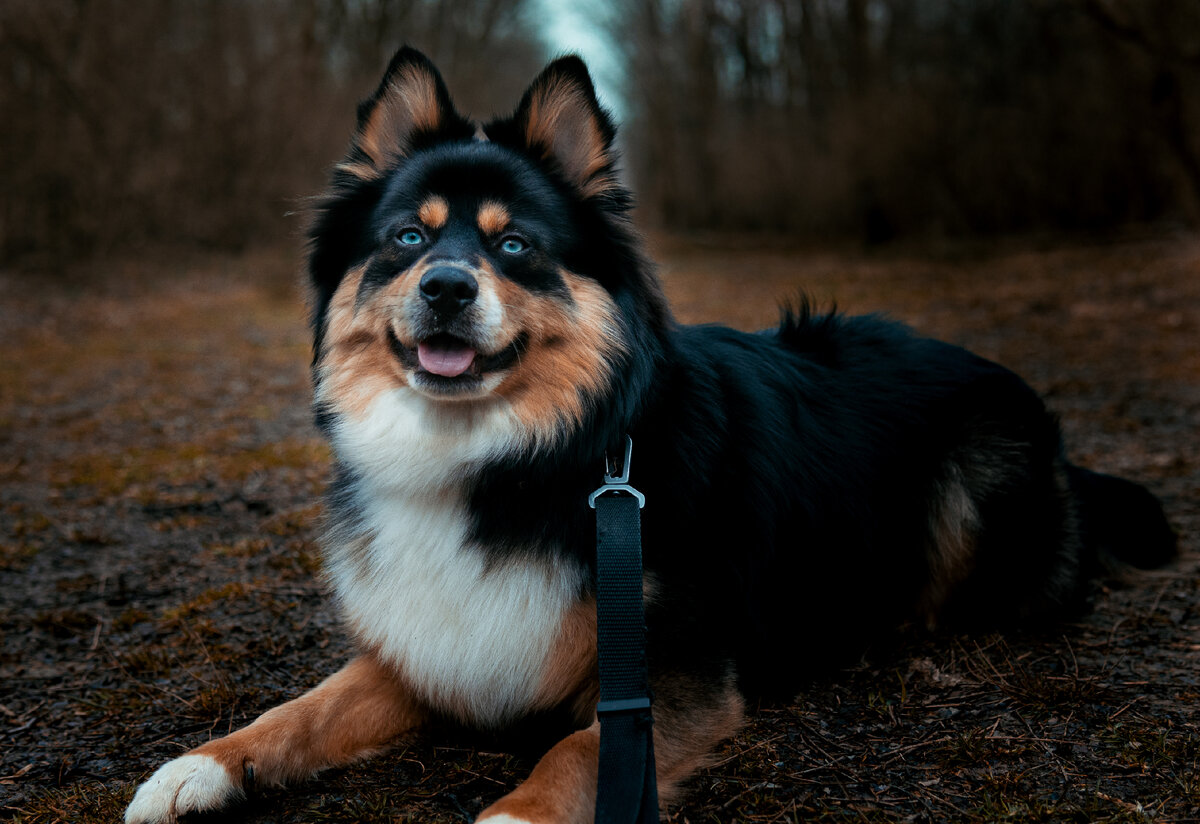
<point x="188" y="784"/>
<point x="501" y="819"/>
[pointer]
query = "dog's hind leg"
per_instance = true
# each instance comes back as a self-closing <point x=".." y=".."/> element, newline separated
<point x="354" y="713"/>
<point x="690" y="718"/>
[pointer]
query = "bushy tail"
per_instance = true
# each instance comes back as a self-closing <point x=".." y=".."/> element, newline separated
<point x="1121" y="520"/>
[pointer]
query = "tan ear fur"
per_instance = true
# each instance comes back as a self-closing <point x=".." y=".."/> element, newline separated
<point x="563" y="122"/>
<point x="409" y="104"/>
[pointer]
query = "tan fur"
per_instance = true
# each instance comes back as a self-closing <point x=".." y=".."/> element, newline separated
<point x="570" y="349"/>
<point x="562" y="787"/>
<point x="352" y="337"/>
<point x="362" y="709"/>
<point x="562" y="124"/>
<point x="357" y="363"/>
<point x="571" y="673"/>
<point x="434" y="212"/>
<point x="409" y="105"/>
<point x="363" y="171"/>
<point x="493" y="218"/>
<point x="571" y="343"/>
<point x="689" y="721"/>
<point x="570" y="346"/>
<point x="951" y="554"/>
<point x="354" y="713"/>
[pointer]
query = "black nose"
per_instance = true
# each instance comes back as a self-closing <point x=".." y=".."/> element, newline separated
<point x="448" y="290"/>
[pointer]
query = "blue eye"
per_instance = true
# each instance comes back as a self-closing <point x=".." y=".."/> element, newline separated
<point x="513" y="245"/>
<point x="410" y="237"/>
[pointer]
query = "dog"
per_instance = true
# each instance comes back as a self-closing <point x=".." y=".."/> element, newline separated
<point x="486" y="330"/>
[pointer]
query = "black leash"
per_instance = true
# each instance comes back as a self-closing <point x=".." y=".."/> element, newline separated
<point x="628" y="790"/>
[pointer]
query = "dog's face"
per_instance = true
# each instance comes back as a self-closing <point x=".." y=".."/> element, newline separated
<point x="468" y="277"/>
<point x="465" y="266"/>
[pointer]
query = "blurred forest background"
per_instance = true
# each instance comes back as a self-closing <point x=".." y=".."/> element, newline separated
<point x="208" y="123"/>
<point x="160" y="470"/>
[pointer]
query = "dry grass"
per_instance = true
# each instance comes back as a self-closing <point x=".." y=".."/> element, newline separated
<point x="157" y="556"/>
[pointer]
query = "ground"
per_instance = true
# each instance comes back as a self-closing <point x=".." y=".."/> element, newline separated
<point x="159" y="575"/>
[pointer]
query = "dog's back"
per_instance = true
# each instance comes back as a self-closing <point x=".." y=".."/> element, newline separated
<point x="485" y="329"/>
<point x="841" y="475"/>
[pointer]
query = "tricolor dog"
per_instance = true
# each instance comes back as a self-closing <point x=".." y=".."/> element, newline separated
<point x="486" y="327"/>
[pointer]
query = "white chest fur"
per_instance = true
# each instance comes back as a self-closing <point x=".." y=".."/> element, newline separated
<point x="472" y="636"/>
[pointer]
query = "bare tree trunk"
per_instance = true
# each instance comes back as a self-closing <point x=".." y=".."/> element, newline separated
<point x="1126" y="24"/>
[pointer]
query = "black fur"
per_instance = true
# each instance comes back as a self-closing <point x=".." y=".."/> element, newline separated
<point x="486" y="329"/>
<point x="791" y="476"/>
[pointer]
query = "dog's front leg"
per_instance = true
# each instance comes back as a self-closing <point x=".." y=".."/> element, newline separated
<point x="690" y="718"/>
<point x="354" y="713"/>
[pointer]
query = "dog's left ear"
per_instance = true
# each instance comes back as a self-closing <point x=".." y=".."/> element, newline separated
<point x="411" y="106"/>
<point x="559" y="120"/>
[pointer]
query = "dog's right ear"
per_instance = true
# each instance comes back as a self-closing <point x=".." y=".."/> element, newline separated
<point x="560" y="121"/>
<point x="411" y="107"/>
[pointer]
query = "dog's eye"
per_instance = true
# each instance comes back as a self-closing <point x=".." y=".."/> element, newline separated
<point x="410" y="237"/>
<point x="513" y="245"/>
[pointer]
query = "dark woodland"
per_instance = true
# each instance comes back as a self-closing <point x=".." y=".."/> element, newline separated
<point x="884" y="119"/>
<point x="1020" y="177"/>
<point x="207" y="123"/>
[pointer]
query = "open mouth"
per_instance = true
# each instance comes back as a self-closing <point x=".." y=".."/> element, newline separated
<point x="446" y="362"/>
<point x="445" y="355"/>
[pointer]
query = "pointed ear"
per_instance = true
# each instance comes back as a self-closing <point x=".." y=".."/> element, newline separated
<point x="560" y="120"/>
<point x="410" y="106"/>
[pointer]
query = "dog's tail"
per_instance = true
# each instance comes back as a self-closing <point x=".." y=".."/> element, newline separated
<point x="1121" y="520"/>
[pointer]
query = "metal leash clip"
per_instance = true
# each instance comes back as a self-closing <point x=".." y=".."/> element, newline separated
<point x="618" y="482"/>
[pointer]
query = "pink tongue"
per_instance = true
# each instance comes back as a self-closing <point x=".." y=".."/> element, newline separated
<point x="449" y="361"/>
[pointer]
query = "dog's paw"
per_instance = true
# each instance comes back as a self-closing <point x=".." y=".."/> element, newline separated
<point x="502" y="818"/>
<point x="192" y="783"/>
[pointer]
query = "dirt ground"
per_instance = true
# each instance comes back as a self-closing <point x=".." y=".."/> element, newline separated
<point x="159" y="574"/>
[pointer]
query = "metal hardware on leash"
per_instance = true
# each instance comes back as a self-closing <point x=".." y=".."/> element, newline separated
<point x="626" y="785"/>
<point x="617" y="482"/>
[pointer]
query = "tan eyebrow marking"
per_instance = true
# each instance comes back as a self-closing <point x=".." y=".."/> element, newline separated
<point x="434" y="212"/>
<point x="492" y="218"/>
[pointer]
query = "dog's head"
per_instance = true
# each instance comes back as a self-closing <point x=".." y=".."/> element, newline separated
<point x="468" y="266"/>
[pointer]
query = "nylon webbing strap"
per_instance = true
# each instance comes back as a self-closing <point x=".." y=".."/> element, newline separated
<point x="627" y="791"/>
